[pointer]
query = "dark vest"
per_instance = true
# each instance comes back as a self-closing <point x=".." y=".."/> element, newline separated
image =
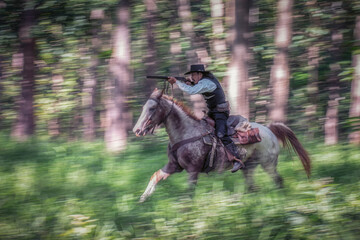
<point x="215" y="97"/>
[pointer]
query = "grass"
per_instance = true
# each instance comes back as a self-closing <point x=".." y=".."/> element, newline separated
<point x="75" y="190"/>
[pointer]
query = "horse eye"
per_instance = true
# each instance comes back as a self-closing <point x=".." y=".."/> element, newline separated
<point x="152" y="109"/>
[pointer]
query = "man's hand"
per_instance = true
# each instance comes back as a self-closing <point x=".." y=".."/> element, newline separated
<point x="189" y="82"/>
<point x="172" y="80"/>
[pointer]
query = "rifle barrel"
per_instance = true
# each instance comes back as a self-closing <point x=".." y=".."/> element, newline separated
<point x="157" y="77"/>
<point x="165" y="78"/>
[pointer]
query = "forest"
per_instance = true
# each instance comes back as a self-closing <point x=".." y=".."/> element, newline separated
<point x="73" y="83"/>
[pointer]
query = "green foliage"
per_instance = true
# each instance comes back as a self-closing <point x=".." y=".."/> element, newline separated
<point x="74" y="190"/>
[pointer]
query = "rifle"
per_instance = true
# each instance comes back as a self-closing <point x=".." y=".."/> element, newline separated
<point x="182" y="79"/>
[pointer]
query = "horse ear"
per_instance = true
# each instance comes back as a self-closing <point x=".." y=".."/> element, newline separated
<point x="162" y="92"/>
<point x="157" y="93"/>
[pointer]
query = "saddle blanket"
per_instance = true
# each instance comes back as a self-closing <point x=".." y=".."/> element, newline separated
<point x="248" y="137"/>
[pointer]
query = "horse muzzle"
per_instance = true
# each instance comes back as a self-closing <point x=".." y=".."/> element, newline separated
<point x="145" y="129"/>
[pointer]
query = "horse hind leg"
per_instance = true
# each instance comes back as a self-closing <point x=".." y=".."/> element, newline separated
<point x="270" y="168"/>
<point x="193" y="177"/>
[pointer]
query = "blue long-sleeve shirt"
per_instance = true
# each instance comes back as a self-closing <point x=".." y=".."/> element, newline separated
<point x="203" y="86"/>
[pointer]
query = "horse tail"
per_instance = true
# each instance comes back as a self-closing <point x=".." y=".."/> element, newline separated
<point x="286" y="136"/>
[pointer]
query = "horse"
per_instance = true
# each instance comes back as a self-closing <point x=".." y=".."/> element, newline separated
<point x="188" y="150"/>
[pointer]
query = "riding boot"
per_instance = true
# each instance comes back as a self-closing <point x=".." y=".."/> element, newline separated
<point x="238" y="164"/>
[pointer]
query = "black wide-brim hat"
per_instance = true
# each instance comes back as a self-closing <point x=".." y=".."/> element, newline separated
<point x="197" y="68"/>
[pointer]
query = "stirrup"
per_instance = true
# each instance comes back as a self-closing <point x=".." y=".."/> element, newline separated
<point x="238" y="164"/>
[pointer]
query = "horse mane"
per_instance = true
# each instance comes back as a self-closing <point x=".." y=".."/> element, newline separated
<point x="182" y="106"/>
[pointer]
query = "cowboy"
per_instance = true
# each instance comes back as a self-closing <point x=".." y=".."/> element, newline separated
<point x="205" y="83"/>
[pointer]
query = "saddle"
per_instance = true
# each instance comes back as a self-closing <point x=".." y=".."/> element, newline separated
<point x="239" y="129"/>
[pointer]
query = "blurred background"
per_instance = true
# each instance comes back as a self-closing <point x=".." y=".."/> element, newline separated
<point x="72" y="84"/>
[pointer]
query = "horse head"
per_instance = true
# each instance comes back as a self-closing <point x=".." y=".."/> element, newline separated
<point x="151" y="116"/>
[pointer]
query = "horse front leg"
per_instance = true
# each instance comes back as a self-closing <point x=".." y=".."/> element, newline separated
<point x="155" y="178"/>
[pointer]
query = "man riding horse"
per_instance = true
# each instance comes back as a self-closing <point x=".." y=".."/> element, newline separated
<point x="205" y="83"/>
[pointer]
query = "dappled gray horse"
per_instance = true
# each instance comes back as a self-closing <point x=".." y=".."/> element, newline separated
<point x="188" y="150"/>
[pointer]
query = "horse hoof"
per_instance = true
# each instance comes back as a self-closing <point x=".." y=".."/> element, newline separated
<point x="142" y="199"/>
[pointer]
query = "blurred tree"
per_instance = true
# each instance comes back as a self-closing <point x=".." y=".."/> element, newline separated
<point x="193" y="52"/>
<point x="175" y="51"/>
<point x="187" y="27"/>
<point x="25" y="124"/>
<point x="90" y="76"/>
<point x="260" y="45"/>
<point x="354" y="115"/>
<point x="150" y="58"/>
<point x="218" y="42"/>
<point x="1" y="88"/>
<point x="333" y="81"/>
<point x="88" y="98"/>
<point x="177" y="59"/>
<point x="313" y="55"/>
<point x="238" y="82"/>
<point x="117" y="114"/>
<point x="280" y="72"/>
<point x="57" y="81"/>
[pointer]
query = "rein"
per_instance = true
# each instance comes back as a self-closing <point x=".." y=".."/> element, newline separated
<point x="177" y="145"/>
<point x="172" y="99"/>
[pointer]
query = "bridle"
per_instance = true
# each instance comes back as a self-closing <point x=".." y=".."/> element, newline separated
<point x="157" y="100"/>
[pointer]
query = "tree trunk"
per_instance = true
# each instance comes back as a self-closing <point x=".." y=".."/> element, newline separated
<point x="193" y="53"/>
<point x="176" y="68"/>
<point x="175" y="50"/>
<point x="280" y="74"/>
<point x="333" y="82"/>
<point x="117" y="114"/>
<point x="1" y="89"/>
<point x="24" y="126"/>
<point x="88" y="101"/>
<point x="312" y="90"/>
<point x="53" y="124"/>
<point x="331" y="121"/>
<point x="150" y="57"/>
<point x="90" y="78"/>
<point x="238" y="80"/>
<point x="312" y="86"/>
<point x="187" y="27"/>
<point x="230" y="22"/>
<point x="177" y="56"/>
<point x="354" y="136"/>
<point x="218" y="43"/>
